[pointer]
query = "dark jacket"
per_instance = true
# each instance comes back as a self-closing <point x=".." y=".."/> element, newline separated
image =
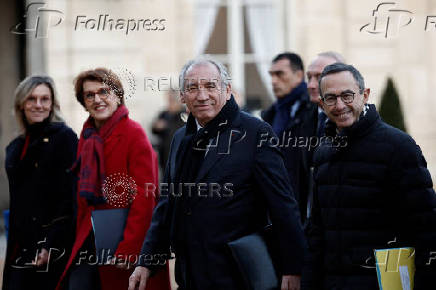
<point x="252" y="180"/>
<point x="41" y="199"/>
<point x="298" y="146"/>
<point x="373" y="193"/>
<point x="173" y="122"/>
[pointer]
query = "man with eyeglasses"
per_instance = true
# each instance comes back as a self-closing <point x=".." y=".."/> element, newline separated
<point x="374" y="193"/>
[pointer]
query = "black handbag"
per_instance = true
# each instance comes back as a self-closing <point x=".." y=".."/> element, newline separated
<point x="253" y="255"/>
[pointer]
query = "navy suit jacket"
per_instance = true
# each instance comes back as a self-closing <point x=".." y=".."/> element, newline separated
<point x="253" y="184"/>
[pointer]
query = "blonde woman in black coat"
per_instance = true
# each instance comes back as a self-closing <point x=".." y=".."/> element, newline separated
<point x="41" y="189"/>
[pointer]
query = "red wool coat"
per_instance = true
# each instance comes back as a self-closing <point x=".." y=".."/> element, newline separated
<point x="126" y="151"/>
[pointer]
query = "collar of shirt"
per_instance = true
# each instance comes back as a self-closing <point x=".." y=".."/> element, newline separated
<point x="320" y="110"/>
<point x="198" y="125"/>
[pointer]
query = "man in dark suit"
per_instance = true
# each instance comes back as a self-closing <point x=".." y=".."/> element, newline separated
<point x="294" y="119"/>
<point x="236" y="179"/>
<point x="314" y="70"/>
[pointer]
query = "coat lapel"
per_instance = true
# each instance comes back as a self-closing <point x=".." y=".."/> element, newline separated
<point x="212" y="155"/>
<point x="219" y="147"/>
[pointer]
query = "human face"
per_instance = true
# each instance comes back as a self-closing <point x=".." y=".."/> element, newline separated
<point x="101" y="102"/>
<point x="204" y="93"/>
<point x="343" y="115"/>
<point x="313" y="72"/>
<point x="283" y="78"/>
<point x="38" y="104"/>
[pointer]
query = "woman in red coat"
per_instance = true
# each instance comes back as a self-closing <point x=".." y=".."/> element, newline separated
<point x="115" y="163"/>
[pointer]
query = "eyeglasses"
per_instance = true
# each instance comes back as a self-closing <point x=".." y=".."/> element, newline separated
<point x="331" y="99"/>
<point x="102" y="93"/>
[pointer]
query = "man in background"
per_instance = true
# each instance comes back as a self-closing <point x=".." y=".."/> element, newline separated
<point x="293" y="118"/>
<point x="166" y="124"/>
<point x="314" y="70"/>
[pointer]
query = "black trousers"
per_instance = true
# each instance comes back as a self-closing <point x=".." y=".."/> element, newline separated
<point x="30" y="278"/>
<point x="84" y="271"/>
<point x="84" y="277"/>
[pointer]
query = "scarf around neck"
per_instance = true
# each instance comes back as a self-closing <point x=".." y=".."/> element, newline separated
<point x="283" y="108"/>
<point x="90" y="163"/>
<point x="366" y="118"/>
<point x="194" y="144"/>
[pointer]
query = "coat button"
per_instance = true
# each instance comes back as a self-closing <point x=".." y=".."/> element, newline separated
<point x="188" y="211"/>
<point x="34" y="219"/>
<point x="36" y="164"/>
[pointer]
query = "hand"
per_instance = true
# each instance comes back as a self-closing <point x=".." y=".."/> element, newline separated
<point x="42" y="258"/>
<point x="139" y="276"/>
<point x="290" y="282"/>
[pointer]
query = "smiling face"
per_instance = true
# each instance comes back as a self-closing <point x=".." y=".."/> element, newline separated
<point x="100" y="101"/>
<point x="204" y="92"/>
<point x="313" y="73"/>
<point x="38" y="104"/>
<point x="343" y="115"/>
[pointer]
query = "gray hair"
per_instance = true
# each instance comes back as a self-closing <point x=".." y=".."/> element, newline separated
<point x="339" y="67"/>
<point x="333" y="55"/>
<point x="224" y="74"/>
<point x="25" y="88"/>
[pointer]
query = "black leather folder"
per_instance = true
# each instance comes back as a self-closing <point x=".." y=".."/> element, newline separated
<point x="108" y="226"/>
<point x="254" y="260"/>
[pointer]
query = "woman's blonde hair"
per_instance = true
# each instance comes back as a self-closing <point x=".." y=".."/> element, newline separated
<point x="25" y="88"/>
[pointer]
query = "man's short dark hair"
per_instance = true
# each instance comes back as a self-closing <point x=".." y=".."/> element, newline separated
<point x="294" y="60"/>
<point x="339" y="67"/>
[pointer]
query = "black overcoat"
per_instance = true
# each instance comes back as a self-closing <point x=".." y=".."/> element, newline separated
<point x="41" y="189"/>
<point x="253" y="180"/>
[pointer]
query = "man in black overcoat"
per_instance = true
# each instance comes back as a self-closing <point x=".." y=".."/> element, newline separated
<point x="293" y="118"/>
<point x="223" y="180"/>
